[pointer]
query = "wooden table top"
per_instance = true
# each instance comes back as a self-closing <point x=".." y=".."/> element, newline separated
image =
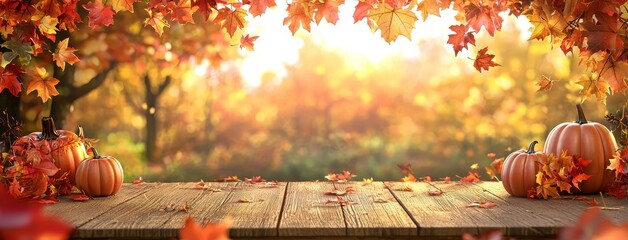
<point x="296" y="210"/>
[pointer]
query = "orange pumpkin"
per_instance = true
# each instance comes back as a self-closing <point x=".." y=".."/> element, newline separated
<point x="66" y="148"/>
<point x="99" y="176"/>
<point x="588" y="140"/>
<point x="519" y="170"/>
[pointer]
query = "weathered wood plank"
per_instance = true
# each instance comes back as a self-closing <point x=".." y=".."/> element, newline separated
<point x="368" y="218"/>
<point x="257" y="218"/>
<point x="448" y="214"/>
<point x="563" y="212"/>
<point x="78" y="213"/>
<point x="305" y="213"/>
<point x="141" y="217"/>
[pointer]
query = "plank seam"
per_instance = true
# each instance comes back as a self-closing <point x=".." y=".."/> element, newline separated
<point x="129" y="199"/>
<point x="283" y="204"/>
<point x="418" y="226"/>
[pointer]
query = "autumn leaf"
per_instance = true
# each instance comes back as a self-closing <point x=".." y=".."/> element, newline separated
<point x="472" y="177"/>
<point x="482" y="204"/>
<point x="254" y="179"/>
<point x="64" y="54"/>
<point x="591" y="86"/>
<point x="579" y="178"/>
<point x="48" y="25"/>
<point x="605" y="35"/>
<point x="157" y="21"/>
<point x="409" y="178"/>
<point x="546" y="22"/>
<point x="99" y="14"/>
<point x="426" y="179"/>
<point x="480" y="15"/>
<point x="484" y="61"/>
<point x="474" y="166"/>
<point x="393" y="22"/>
<point x="192" y="231"/>
<point x="21" y="50"/>
<point x="432" y="7"/>
<point x="592" y="224"/>
<point x="617" y="163"/>
<point x="447" y="180"/>
<point x="405" y="168"/>
<point x="298" y="17"/>
<point x="327" y="9"/>
<point x="460" y="38"/>
<point x="231" y="20"/>
<point x="497" y="165"/>
<point x="435" y="192"/>
<point x="202" y="185"/>
<point x="544" y="83"/>
<point x="340" y="192"/>
<point x="138" y="180"/>
<point x="617" y="189"/>
<point x="367" y="181"/>
<point x="362" y="9"/>
<point x="258" y="7"/>
<point x="44" y="85"/>
<point x="8" y="79"/>
<point x="182" y="12"/>
<point x="122" y="5"/>
<point x="615" y="74"/>
<point x="491" y="172"/>
<point x="248" y="42"/>
<point x="78" y="197"/>
<point x="47" y="167"/>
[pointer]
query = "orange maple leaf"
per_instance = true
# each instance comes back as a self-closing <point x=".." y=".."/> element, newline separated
<point x="328" y="10"/>
<point x="298" y="17"/>
<point x="480" y="15"/>
<point x="192" y="231"/>
<point x="484" y="61"/>
<point x="182" y="12"/>
<point x="615" y="73"/>
<point x="64" y="54"/>
<point x="618" y="163"/>
<point x="44" y="85"/>
<point x="248" y="42"/>
<point x="362" y="9"/>
<point x="258" y="7"/>
<point x="544" y="83"/>
<point x="409" y="178"/>
<point x="157" y="21"/>
<point x="231" y="20"/>
<point x="121" y="5"/>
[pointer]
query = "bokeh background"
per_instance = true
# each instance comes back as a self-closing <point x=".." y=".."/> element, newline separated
<point x="195" y="106"/>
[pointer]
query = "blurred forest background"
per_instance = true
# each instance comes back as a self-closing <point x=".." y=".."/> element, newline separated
<point x="180" y="110"/>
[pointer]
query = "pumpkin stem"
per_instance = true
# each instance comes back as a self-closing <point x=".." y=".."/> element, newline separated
<point x="49" y="131"/>
<point x="531" y="147"/>
<point x="581" y="118"/>
<point x="96" y="155"/>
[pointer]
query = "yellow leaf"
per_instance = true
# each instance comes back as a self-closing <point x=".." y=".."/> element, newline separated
<point x="393" y="22"/>
<point x="545" y="84"/>
<point x="157" y="21"/>
<point x="367" y="181"/>
<point x="546" y="22"/>
<point x="475" y="166"/>
<point x="592" y="86"/>
<point x="48" y="25"/>
<point x="119" y="5"/>
<point x="44" y="85"/>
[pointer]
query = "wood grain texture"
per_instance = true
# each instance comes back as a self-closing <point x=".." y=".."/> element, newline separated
<point x="141" y="217"/>
<point x="448" y="214"/>
<point x="257" y="218"/>
<point x="305" y="212"/>
<point x="556" y="213"/>
<point x="368" y="218"/>
<point x="78" y="213"/>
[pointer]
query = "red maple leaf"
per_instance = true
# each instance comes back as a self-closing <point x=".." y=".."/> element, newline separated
<point x="205" y="6"/>
<point x="617" y="189"/>
<point x="298" y="17"/>
<point x="99" y="14"/>
<point x="24" y="220"/>
<point x="472" y="177"/>
<point x="484" y="61"/>
<point x="460" y="38"/>
<point x="606" y="35"/>
<point x="8" y="79"/>
<point x="362" y="9"/>
<point x="480" y="15"/>
<point x="578" y="179"/>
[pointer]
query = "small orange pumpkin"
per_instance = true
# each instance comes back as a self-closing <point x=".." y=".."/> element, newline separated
<point x="519" y="170"/>
<point x="100" y="175"/>
<point x="66" y="148"/>
<point x="588" y="140"/>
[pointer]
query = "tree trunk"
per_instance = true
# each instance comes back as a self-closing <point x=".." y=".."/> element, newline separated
<point x="10" y="108"/>
<point x="151" y="99"/>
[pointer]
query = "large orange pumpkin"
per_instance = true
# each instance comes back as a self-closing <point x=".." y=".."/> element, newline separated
<point x="99" y="176"/>
<point x="66" y="148"/>
<point x="588" y="140"/>
<point x="519" y="170"/>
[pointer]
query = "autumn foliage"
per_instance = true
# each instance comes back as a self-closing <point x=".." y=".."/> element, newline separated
<point x="595" y="30"/>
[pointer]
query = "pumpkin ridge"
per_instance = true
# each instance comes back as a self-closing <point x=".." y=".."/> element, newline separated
<point x="608" y="176"/>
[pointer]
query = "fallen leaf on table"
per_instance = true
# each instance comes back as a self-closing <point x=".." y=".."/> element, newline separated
<point x="592" y="224"/>
<point x="171" y="207"/>
<point x="435" y="192"/>
<point x="409" y="178"/>
<point x="79" y="197"/>
<point x="339" y="192"/>
<point x="250" y="200"/>
<point x="366" y="181"/>
<point x="202" y="185"/>
<point x="472" y="177"/>
<point x="382" y="199"/>
<point x="447" y="179"/>
<point x="482" y="204"/>
<point x="138" y="180"/>
<point x="340" y="200"/>
<point x="185" y="207"/>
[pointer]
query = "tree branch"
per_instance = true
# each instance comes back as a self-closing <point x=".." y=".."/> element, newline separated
<point x="95" y="82"/>
<point x="163" y="85"/>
